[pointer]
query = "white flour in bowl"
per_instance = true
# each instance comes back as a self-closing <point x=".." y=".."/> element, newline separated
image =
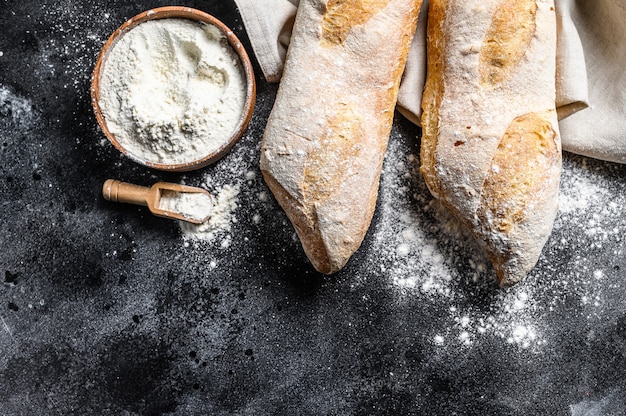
<point x="172" y="91"/>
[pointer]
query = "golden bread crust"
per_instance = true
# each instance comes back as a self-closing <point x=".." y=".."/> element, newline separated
<point x="327" y="134"/>
<point x="491" y="149"/>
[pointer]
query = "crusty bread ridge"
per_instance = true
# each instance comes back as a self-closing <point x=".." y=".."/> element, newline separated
<point x="491" y="149"/>
<point x="324" y="143"/>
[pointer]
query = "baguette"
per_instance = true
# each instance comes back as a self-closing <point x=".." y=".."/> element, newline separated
<point x="491" y="150"/>
<point x="327" y="133"/>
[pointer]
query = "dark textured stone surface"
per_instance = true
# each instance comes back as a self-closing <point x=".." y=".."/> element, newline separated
<point x="105" y="310"/>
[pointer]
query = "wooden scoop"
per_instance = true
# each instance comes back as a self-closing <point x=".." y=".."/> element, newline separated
<point x="118" y="191"/>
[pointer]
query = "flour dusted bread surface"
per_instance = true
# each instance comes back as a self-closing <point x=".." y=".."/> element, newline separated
<point x="491" y="149"/>
<point x="327" y="134"/>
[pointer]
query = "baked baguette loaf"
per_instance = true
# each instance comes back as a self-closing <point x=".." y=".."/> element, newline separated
<point x="327" y="134"/>
<point x="490" y="149"/>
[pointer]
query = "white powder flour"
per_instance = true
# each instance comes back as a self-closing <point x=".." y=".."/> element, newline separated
<point x="220" y="219"/>
<point x="172" y="91"/>
<point x="192" y="205"/>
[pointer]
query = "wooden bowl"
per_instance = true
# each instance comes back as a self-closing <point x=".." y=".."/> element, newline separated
<point x="178" y="12"/>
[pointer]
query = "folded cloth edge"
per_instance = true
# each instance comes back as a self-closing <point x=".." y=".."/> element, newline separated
<point x="264" y="33"/>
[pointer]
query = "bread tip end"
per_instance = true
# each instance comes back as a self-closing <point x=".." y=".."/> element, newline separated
<point x="509" y="276"/>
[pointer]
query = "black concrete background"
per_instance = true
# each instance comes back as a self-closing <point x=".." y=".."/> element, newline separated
<point x="106" y="311"/>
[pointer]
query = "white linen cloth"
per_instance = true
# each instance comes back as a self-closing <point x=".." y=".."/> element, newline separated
<point x="590" y="79"/>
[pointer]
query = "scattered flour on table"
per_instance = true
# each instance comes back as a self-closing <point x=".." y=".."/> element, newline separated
<point x="424" y="252"/>
<point x="222" y="216"/>
<point x="15" y="111"/>
<point x="604" y="406"/>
